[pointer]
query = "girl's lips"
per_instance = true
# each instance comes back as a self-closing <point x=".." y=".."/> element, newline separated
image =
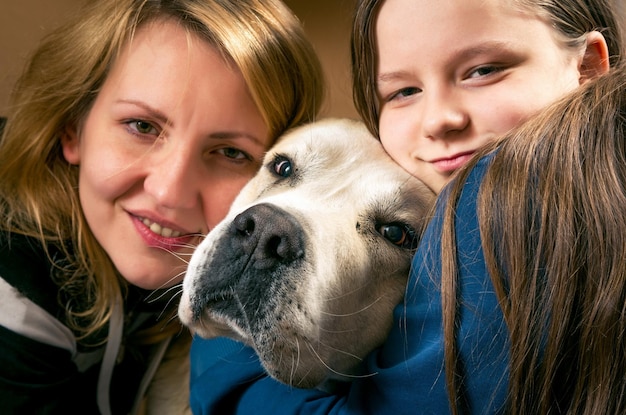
<point x="158" y="236"/>
<point x="448" y="165"/>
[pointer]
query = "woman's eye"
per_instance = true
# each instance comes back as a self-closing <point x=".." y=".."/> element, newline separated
<point x="282" y="166"/>
<point x="399" y="234"/>
<point x="143" y="127"/>
<point x="233" y="153"/>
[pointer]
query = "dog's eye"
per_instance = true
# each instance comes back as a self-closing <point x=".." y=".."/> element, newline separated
<point x="282" y="166"/>
<point x="399" y="234"/>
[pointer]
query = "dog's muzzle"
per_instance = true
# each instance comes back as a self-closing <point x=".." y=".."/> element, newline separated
<point x="256" y="249"/>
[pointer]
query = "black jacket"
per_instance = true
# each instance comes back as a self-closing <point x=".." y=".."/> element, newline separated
<point x="43" y="369"/>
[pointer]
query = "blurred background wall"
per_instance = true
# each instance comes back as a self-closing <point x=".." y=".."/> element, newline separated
<point x="326" y="22"/>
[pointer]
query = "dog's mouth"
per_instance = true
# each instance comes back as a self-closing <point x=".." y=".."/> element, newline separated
<point x="220" y="314"/>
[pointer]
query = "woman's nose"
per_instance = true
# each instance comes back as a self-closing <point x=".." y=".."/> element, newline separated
<point x="173" y="179"/>
<point x="443" y="115"/>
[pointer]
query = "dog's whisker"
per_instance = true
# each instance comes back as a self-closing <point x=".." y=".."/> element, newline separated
<point x="169" y="301"/>
<point x="348" y="293"/>
<point x="242" y="307"/>
<point x="343" y="352"/>
<point x="172" y="318"/>
<point x="151" y="296"/>
<point x="337" y="331"/>
<point x="347" y="375"/>
<point x="295" y="361"/>
<point x="367" y="306"/>
<point x="179" y="255"/>
<point x="163" y="293"/>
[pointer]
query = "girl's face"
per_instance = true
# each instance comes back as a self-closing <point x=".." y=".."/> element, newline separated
<point x="170" y="140"/>
<point x="454" y="74"/>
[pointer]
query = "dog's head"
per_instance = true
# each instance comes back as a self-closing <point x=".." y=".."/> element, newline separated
<point x="313" y="256"/>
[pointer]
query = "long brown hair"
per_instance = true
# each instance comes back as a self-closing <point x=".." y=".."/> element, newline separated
<point x="38" y="188"/>
<point x="553" y="228"/>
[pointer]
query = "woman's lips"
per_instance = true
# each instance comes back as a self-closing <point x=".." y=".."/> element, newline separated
<point x="158" y="236"/>
<point x="450" y="164"/>
<point x="160" y="230"/>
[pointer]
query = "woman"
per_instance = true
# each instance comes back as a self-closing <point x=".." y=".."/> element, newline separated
<point x="129" y="134"/>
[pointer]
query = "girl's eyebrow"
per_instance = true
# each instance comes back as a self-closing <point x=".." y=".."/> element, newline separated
<point x="486" y="47"/>
<point x="391" y="76"/>
<point x="482" y="48"/>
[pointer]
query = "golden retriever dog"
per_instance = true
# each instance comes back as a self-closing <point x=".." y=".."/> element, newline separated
<point x="313" y="256"/>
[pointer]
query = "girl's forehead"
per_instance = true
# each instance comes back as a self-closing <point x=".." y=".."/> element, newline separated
<point x="445" y="19"/>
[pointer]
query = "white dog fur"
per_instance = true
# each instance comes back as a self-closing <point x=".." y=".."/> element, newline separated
<point x="313" y="256"/>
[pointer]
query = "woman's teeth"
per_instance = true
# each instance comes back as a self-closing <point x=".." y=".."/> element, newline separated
<point x="161" y="230"/>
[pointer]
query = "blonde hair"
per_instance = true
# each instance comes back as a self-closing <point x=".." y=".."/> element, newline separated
<point x="39" y="189"/>
<point x="571" y="20"/>
<point x="558" y="259"/>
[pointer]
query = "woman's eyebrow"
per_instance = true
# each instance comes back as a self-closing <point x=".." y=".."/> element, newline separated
<point x="153" y="112"/>
<point x="229" y="135"/>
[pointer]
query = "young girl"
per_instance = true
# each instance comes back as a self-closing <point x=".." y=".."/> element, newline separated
<point x="437" y="81"/>
<point x="130" y="132"/>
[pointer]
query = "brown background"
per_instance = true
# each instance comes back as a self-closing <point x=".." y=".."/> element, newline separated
<point x="326" y="22"/>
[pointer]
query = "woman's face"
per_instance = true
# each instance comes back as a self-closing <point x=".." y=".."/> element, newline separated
<point x="455" y="74"/>
<point x="170" y="140"/>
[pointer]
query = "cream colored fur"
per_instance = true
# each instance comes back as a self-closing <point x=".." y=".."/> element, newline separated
<point x="310" y="262"/>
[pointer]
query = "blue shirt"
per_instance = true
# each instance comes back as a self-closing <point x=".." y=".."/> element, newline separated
<point x="226" y="377"/>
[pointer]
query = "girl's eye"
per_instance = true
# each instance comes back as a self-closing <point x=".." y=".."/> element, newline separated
<point x="405" y="92"/>
<point x="483" y="71"/>
<point x="233" y="153"/>
<point x="399" y="234"/>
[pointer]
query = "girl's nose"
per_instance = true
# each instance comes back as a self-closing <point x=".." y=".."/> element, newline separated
<point x="173" y="179"/>
<point x="443" y="115"/>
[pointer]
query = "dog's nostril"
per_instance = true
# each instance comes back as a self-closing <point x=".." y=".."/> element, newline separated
<point x="245" y="225"/>
<point x="272" y="246"/>
<point x="282" y="247"/>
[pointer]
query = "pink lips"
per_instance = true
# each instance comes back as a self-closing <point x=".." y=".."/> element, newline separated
<point x="450" y="164"/>
<point x="157" y="241"/>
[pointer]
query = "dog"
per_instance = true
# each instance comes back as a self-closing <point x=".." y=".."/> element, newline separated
<point x="312" y="257"/>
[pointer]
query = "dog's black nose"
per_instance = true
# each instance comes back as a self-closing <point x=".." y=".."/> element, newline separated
<point x="269" y="235"/>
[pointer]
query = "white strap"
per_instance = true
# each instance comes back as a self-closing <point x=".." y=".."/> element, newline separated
<point x="21" y="315"/>
<point x="116" y="325"/>
<point x="155" y="361"/>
